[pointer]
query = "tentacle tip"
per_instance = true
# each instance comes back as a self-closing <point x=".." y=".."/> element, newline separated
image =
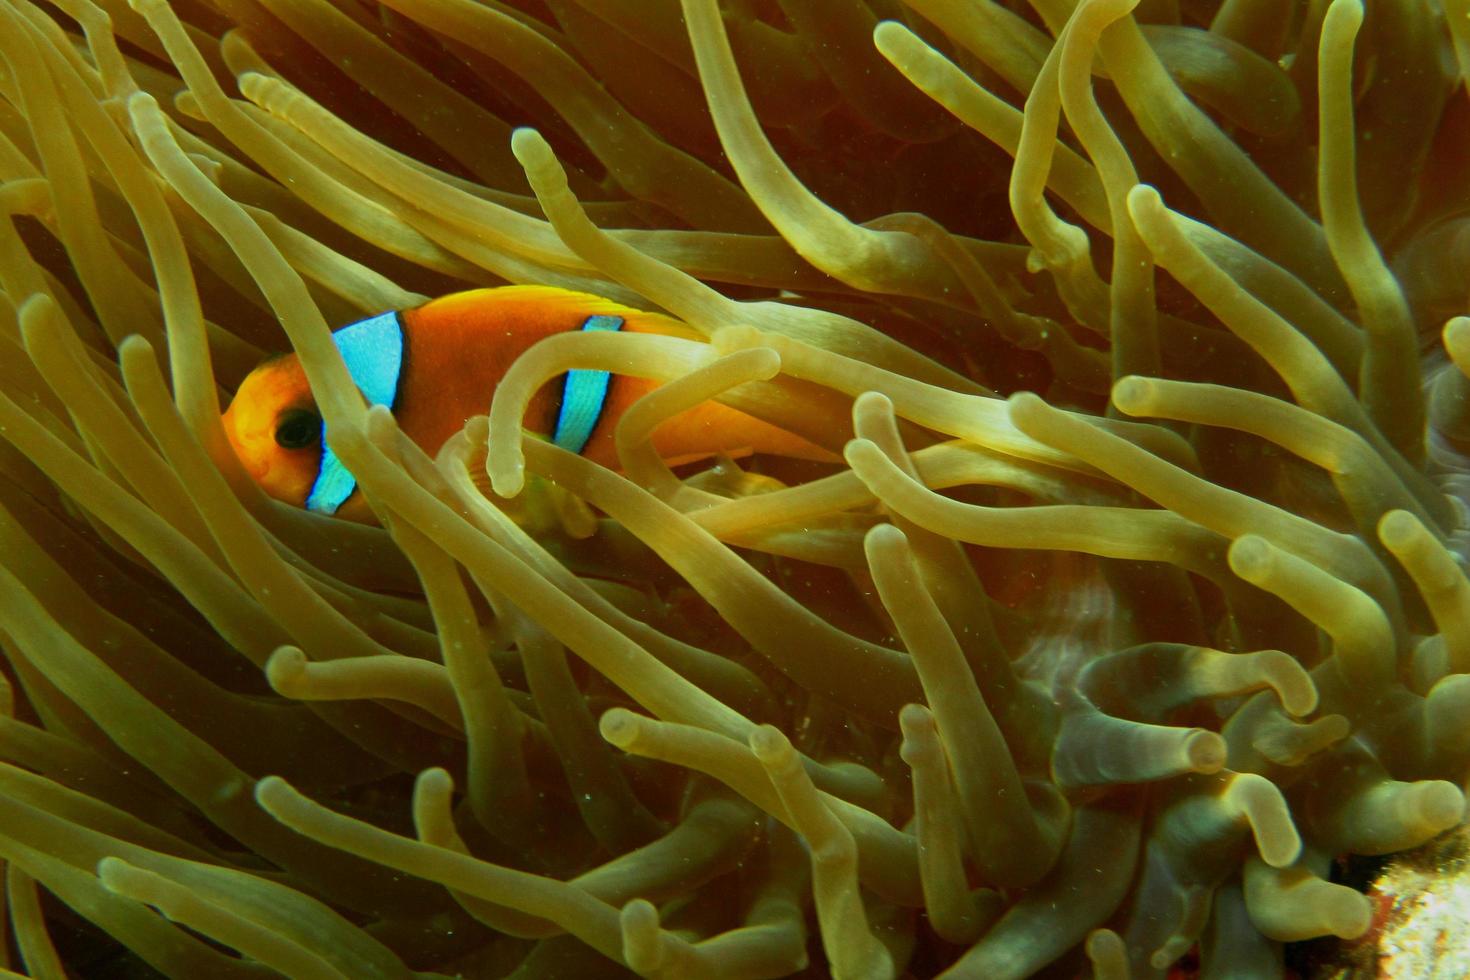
<point x="1131" y="394"/>
<point x="889" y="36"/>
<point x="1353" y="917"/>
<point x="110" y="867"/>
<point x="1205" y="752"/>
<point x="771" y="746"/>
<point x="36" y="305"/>
<point x="508" y="482"/>
<point x="477" y="430"/>
<point x="1249" y="555"/>
<point x="767" y="362"/>
<point x="1025" y="401"/>
<point x="915" y="717"/>
<point x="882" y="538"/>
<point x="273" y="793"/>
<point x="531" y="148"/>
<point x="434" y="779"/>
<point x="1456" y="339"/>
<point x="252" y="83"/>
<point x="1280" y="850"/>
<point x="1440" y="803"/>
<point x="619" y="726"/>
<point x="121" y="877"/>
<point x="1104" y="943"/>
<point x="1298" y="701"/>
<point x="380" y="415"/>
<point x="859" y="451"/>
<point x="1143" y="198"/>
<point x="1174" y="947"/>
<point x="872" y="401"/>
<point x="134" y="345"/>
<point x="1026" y="412"/>
<point x="640" y="927"/>
<point x="639" y="912"/>
<point x="1144" y="192"/>
<point x="735" y="337"/>
<point x="381" y="426"/>
<point x="141" y="102"/>
<point x="1396" y="528"/>
<point x="1293" y="685"/>
<point x="285" y="667"/>
<point x="1449" y="688"/>
<point x="1349" y="11"/>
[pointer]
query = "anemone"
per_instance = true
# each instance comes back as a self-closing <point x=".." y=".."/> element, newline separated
<point x="1133" y="606"/>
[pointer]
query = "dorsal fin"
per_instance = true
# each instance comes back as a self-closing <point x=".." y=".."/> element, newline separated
<point x="577" y="305"/>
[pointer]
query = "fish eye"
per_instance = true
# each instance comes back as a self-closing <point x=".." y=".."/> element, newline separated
<point x="298" y="429"/>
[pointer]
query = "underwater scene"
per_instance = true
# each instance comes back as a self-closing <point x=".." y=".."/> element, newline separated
<point x="734" y="489"/>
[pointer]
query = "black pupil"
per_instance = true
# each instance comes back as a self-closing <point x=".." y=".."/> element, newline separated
<point x="299" y="429"/>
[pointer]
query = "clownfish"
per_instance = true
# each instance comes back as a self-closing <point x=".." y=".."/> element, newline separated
<point x="434" y="366"/>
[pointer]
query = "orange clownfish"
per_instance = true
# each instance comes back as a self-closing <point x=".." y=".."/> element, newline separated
<point x="437" y="365"/>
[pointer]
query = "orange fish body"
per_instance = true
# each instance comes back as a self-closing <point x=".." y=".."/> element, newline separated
<point x="437" y="365"/>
